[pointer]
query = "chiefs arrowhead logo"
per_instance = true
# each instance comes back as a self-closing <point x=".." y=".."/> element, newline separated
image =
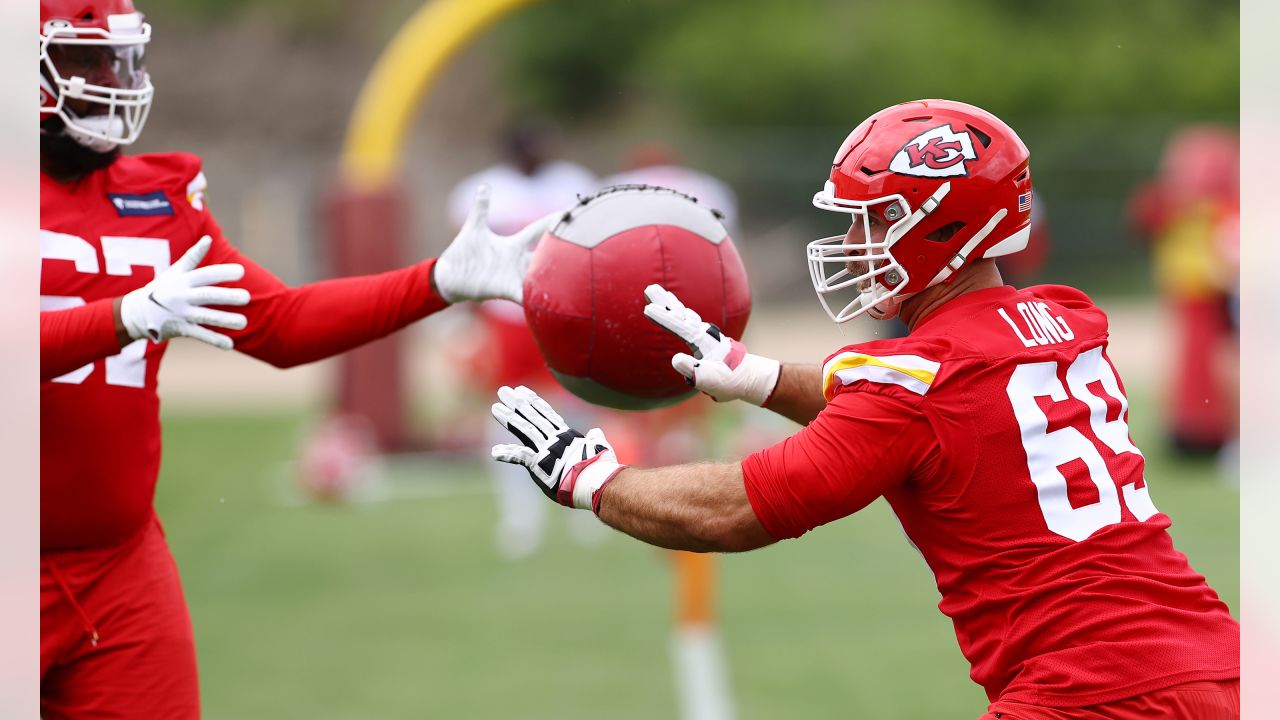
<point x="939" y="152"/>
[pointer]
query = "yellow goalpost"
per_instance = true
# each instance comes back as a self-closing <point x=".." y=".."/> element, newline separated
<point x="401" y="78"/>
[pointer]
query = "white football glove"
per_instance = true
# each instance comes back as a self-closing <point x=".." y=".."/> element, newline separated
<point x="173" y="304"/>
<point x="569" y="467"/>
<point x="720" y="366"/>
<point x="480" y="264"/>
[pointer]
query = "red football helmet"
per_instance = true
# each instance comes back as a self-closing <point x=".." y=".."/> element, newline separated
<point x="932" y="186"/>
<point x="92" y="75"/>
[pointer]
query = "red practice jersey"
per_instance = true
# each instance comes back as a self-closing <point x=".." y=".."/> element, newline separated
<point x="108" y="233"/>
<point x="998" y="433"/>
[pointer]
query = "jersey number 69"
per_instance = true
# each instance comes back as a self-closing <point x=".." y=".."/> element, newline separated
<point x="1048" y="451"/>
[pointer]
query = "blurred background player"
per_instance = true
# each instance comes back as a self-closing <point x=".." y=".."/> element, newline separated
<point x="656" y="163"/>
<point x="530" y="182"/>
<point x="1189" y="213"/>
<point x="997" y="431"/>
<point x="116" y="639"/>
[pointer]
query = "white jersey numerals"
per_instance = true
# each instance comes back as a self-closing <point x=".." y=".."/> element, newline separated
<point x="121" y="255"/>
<point x="1048" y="451"/>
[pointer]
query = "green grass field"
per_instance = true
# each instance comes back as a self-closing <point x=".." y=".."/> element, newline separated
<point x="403" y="610"/>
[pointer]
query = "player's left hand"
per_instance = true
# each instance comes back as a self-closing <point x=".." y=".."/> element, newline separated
<point x="569" y="467"/>
<point x="720" y="366"/>
<point x="480" y="264"/>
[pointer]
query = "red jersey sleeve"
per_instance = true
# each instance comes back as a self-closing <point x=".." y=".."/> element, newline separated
<point x="861" y="445"/>
<point x="290" y="326"/>
<point x="75" y="337"/>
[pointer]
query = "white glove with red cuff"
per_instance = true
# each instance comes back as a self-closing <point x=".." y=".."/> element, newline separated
<point x="480" y="264"/>
<point x="173" y="304"/>
<point x="720" y="366"/>
<point x="569" y="467"/>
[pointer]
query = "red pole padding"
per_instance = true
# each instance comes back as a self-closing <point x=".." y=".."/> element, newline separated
<point x="366" y="233"/>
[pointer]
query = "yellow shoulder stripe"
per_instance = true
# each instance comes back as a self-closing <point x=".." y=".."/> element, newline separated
<point x="909" y="371"/>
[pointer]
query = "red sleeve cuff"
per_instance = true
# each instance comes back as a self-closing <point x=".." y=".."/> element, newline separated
<point x="753" y="472"/>
<point x="75" y="337"/>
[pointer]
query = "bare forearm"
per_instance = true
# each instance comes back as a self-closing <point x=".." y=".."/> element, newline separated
<point x="798" y="395"/>
<point x="701" y="507"/>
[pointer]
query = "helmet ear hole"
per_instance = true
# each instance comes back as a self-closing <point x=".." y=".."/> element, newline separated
<point x="983" y="138"/>
<point x="945" y="233"/>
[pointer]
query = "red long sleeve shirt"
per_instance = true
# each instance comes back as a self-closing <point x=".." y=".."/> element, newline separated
<point x="108" y="233"/>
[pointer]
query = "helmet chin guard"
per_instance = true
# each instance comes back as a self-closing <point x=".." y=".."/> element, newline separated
<point x="99" y="133"/>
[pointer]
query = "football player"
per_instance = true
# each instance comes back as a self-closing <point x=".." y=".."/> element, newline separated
<point x="122" y="242"/>
<point x="997" y="431"/>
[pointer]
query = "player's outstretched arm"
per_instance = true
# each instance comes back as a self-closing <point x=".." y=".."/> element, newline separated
<point x="480" y="264"/>
<point x="290" y="326"/>
<point x="701" y="507"/>
<point x="721" y="367"/>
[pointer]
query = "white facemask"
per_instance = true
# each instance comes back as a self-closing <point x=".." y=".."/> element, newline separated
<point x="121" y="92"/>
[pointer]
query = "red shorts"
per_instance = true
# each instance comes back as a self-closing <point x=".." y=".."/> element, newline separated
<point x="1188" y="701"/>
<point x="115" y="637"/>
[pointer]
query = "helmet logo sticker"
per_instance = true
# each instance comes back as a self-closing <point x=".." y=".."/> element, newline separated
<point x="937" y="152"/>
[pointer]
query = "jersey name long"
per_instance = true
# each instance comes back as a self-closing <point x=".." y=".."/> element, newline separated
<point x="998" y="433"/>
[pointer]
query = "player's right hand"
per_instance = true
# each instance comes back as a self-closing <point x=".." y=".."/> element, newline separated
<point x="719" y="366"/>
<point x="173" y="304"/>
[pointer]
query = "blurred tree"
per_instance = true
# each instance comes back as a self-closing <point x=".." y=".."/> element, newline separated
<point x="1093" y="86"/>
<point x="760" y="91"/>
<point x="576" y="58"/>
<point x="819" y="62"/>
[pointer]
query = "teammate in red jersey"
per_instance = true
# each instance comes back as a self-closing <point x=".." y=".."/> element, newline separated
<point x="121" y="244"/>
<point x="997" y="430"/>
